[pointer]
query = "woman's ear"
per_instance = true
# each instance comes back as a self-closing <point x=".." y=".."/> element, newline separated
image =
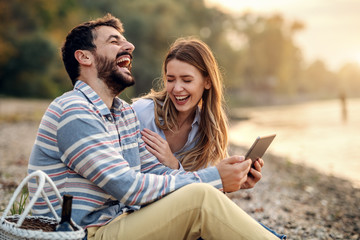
<point x="207" y="83"/>
<point x="84" y="57"/>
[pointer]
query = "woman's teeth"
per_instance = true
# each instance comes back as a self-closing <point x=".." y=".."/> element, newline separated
<point x="182" y="98"/>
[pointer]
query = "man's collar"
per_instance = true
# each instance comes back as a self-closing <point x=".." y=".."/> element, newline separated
<point x="94" y="98"/>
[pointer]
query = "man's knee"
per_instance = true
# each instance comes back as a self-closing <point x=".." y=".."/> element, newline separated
<point x="200" y="189"/>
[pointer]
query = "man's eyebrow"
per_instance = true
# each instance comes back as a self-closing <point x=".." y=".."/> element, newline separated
<point x="117" y="37"/>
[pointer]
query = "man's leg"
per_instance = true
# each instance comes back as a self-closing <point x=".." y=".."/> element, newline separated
<point x="196" y="210"/>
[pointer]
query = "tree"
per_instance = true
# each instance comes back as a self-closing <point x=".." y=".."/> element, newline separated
<point x="272" y="60"/>
<point x="349" y="79"/>
<point x="318" y="81"/>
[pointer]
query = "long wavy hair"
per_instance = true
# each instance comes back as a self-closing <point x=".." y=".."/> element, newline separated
<point x="212" y="137"/>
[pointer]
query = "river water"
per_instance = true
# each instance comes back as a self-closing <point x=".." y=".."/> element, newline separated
<point x="315" y="134"/>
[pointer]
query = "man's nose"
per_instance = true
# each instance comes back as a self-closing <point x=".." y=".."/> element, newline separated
<point x="129" y="47"/>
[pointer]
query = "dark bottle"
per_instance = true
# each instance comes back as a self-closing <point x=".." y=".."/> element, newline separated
<point x="65" y="224"/>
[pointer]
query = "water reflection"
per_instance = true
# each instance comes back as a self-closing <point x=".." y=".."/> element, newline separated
<point x="312" y="133"/>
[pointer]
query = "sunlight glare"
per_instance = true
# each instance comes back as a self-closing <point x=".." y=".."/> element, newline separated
<point x="323" y="20"/>
<point x="357" y="58"/>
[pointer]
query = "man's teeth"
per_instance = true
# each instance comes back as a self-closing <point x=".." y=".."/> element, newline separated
<point x="181" y="98"/>
<point x="120" y="61"/>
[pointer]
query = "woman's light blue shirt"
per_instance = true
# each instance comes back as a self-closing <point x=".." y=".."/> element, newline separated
<point x="144" y="109"/>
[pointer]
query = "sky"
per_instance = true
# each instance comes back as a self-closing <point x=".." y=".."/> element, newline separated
<point x="332" y="27"/>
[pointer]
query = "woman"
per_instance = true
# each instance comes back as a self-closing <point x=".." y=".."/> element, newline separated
<point x="185" y="122"/>
<point x="188" y="109"/>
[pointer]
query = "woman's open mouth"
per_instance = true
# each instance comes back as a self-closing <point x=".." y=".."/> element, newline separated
<point x="181" y="99"/>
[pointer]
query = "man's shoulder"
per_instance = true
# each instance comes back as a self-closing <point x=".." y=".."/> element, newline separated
<point x="71" y="98"/>
<point x="69" y="102"/>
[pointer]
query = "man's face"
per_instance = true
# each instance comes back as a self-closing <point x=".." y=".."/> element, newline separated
<point x="113" y="58"/>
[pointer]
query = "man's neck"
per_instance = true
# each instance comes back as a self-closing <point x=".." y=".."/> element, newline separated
<point x="101" y="89"/>
<point x="105" y="95"/>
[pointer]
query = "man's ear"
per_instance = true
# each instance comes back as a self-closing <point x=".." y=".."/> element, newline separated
<point x="84" y="57"/>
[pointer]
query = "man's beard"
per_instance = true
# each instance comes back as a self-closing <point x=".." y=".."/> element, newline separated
<point x="114" y="79"/>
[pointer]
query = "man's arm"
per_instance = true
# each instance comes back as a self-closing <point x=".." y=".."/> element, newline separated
<point x="90" y="150"/>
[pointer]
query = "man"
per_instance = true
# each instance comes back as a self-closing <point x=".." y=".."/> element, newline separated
<point x="89" y="143"/>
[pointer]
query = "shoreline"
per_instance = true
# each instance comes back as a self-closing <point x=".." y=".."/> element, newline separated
<point x="292" y="199"/>
<point x="317" y="137"/>
<point x="301" y="202"/>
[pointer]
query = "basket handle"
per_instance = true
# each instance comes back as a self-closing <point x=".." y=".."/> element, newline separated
<point x="41" y="176"/>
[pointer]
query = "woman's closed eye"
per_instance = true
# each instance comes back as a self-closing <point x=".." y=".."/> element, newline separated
<point x="187" y="80"/>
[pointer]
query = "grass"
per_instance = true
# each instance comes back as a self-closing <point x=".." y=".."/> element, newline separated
<point x="19" y="117"/>
<point x="14" y="110"/>
<point x="20" y="204"/>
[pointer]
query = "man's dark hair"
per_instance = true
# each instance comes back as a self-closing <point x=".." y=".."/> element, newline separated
<point x="82" y="38"/>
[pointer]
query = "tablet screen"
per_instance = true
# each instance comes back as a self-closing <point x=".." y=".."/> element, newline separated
<point x="259" y="147"/>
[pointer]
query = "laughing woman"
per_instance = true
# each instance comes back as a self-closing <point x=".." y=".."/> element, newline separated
<point x="185" y="117"/>
<point x="184" y="123"/>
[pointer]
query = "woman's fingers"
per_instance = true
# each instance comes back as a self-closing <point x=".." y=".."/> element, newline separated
<point x="153" y="137"/>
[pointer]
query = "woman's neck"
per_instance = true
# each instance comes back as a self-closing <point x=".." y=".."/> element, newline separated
<point x="185" y="118"/>
<point x="178" y="137"/>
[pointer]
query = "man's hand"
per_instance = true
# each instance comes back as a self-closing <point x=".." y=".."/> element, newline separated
<point x="160" y="148"/>
<point x="254" y="174"/>
<point x="233" y="172"/>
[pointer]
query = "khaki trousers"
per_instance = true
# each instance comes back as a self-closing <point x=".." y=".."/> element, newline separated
<point x="196" y="210"/>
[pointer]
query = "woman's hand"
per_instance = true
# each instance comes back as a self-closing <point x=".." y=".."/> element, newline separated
<point x="160" y="148"/>
<point x="254" y="174"/>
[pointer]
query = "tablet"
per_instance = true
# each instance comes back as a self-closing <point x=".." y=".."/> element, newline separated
<point x="259" y="147"/>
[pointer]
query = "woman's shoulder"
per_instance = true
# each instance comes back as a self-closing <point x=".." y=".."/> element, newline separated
<point x="142" y="104"/>
<point x="144" y="109"/>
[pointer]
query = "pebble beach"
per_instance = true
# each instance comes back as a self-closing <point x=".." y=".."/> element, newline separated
<point x="291" y="198"/>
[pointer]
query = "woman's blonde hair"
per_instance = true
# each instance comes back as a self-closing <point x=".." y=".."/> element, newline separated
<point x="212" y="137"/>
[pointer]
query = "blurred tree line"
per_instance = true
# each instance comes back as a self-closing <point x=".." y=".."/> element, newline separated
<point x="257" y="54"/>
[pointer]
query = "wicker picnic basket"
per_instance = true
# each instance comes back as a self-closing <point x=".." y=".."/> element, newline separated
<point x="35" y="227"/>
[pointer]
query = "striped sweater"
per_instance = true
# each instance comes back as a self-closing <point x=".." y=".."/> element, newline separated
<point x="97" y="155"/>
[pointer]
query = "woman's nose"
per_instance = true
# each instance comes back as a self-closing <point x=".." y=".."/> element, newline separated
<point x="178" y="87"/>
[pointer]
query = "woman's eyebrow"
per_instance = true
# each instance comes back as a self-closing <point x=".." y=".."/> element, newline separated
<point x="182" y="76"/>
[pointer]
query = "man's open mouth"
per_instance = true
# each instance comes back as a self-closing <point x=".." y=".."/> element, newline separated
<point x="124" y="62"/>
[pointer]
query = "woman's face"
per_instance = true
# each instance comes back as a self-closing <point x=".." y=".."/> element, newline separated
<point x="185" y="85"/>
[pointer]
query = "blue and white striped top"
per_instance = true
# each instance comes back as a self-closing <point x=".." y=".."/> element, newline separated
<point x="96" y="154"/>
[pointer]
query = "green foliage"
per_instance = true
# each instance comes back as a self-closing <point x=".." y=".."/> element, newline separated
<point x="257" y="54"/>
<point x="19" y="206"/>
<point x="25" y="73"/>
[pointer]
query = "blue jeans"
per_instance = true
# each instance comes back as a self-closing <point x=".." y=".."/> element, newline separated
<point x="280" y="236"/>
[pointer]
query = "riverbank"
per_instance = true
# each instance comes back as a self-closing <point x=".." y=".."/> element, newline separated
<point x="312" y="133"/>
<point x="301" y="202"/>
<point x="292" y="199"/>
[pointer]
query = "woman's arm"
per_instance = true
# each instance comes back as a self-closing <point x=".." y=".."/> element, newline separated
<point x="160" y="148"/>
